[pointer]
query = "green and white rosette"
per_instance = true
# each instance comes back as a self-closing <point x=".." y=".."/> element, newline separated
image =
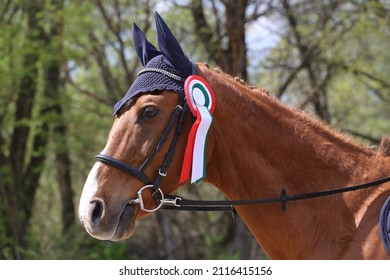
<point x="201" y="101"/>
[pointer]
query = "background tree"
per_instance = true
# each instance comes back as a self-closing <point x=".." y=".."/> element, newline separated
<point x="38" y="77"/>
<point x="224" y="40"/>
<point x="327" y="44"/>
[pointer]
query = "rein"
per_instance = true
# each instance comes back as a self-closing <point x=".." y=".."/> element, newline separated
<point x="227" y="205"/>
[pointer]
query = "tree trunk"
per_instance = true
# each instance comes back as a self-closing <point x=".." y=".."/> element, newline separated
<point x="167" y="233"/>
<point x="54" y="90"/>
<point x="20" y="182"/>
<point x="229" y="51"/>
<point x="235" y="30"/>
<point x="232" y="57"/>
<point x="21" y="170"/>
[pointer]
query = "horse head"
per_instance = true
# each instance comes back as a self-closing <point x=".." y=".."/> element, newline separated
<point x="142" y="141"/>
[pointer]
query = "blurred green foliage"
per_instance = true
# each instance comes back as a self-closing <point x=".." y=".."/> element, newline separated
<point x="350" y="61"/>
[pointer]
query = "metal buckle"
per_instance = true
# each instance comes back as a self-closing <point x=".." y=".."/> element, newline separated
<point x="163" y="201"/>
<point x="164" y="174"/>
<point x="172" y="201"/>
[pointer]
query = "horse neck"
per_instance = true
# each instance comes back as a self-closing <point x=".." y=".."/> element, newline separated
<point x="257" y="146"/>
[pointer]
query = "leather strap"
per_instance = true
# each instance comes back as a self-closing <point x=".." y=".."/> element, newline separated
<point x="226" y="205"/>
<point x="124" y="167"/>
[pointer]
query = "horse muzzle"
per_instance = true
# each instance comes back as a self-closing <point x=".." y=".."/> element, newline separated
<point x="101" y="224"/>
<point x="104" y="219"/>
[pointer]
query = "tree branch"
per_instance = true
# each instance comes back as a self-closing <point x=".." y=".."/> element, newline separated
<point x="204" y="31"/>
<point x="307" y="56"/>
<point x="85" y="91"/>
<point x="98" y="52"/>
<point x="116" y="30"/>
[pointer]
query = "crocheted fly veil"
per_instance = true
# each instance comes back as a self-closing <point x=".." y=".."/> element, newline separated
<point x="164" y="69"/>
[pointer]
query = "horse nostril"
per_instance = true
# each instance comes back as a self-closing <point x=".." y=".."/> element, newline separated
<point x="95" y="212"/>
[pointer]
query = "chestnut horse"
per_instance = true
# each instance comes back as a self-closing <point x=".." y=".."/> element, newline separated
<point x="255" y="146"/>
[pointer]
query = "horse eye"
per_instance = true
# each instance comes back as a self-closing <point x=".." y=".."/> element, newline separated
<point x="149" y="112"/>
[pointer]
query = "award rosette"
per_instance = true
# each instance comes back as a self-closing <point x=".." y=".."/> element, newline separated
<point x="201" y="101"/>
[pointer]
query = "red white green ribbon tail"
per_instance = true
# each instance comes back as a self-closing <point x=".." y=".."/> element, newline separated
<point x="201" y="100"/>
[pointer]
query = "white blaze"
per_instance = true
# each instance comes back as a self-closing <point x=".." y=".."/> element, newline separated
<point x="89" y="190"/>
<point x="91" y="184"/>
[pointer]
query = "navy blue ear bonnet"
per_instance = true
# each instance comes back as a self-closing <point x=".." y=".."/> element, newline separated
<point x="166" y="69"/>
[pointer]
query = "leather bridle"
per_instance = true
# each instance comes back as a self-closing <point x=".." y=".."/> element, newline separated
<point x="179" y="113"/>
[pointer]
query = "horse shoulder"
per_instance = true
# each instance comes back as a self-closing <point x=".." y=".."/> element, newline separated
<point x="367" y="243"/>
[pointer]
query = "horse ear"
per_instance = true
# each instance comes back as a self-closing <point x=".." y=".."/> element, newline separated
<point x="145" y="50"/>
<point x="168" y="44"/>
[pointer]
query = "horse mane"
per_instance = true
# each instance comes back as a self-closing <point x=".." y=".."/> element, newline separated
<point x="384" y="147"/>
<point x="307" y="121"/>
